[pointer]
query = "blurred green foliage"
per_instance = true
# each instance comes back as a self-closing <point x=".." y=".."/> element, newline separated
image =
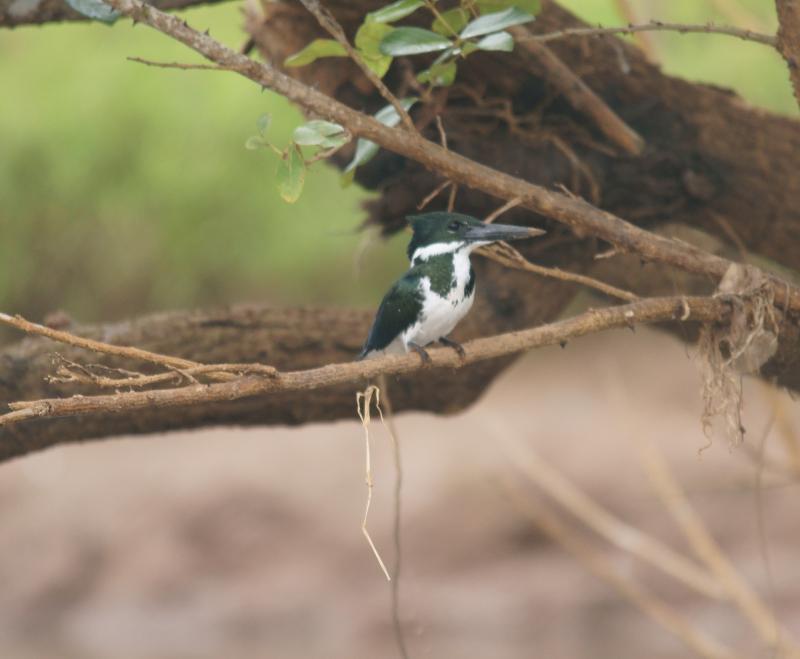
<point x="126" y="188"/>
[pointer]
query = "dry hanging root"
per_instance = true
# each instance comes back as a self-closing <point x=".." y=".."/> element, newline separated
<point x="742" y="347"/>
<point x="363" y="403"/>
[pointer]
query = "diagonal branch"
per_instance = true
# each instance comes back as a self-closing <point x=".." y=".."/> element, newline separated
<point x="327" y="21"/>
<point x="579" y="215"/>
<point x="694" y="309"/>
<point x="580" y="96"/>
<point x="658" y="26"/>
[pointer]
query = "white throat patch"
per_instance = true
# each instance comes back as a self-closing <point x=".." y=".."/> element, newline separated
<point x="436" y="249"/>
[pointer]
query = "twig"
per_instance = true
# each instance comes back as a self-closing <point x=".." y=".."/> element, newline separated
<point x="657" y="26"/>
<point x="451" y="199"/>
<point x="650" y="605"/>
<point x="513" y="203"/>
<point x="220" y="372"/>
<point x="510" y="257"/>
<point x="579" y="95"/>
<point x="331" y="25"/>
<point x="71" y="372"/>
<point x="643" y="39"/>
<point x="575" y="213"/>
<point x="706" y="548"/>
<point x="433" y="194"/>
<point x="623" y="535"/>
<point x="137" y="354"/>
<point x="703" y="309"/>
<point x="179" y="65"/>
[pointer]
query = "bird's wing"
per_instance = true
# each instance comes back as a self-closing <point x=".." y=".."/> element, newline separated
<point x="399" y="310"/>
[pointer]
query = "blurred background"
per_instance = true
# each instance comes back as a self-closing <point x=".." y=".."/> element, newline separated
<point x="126" y="189"/>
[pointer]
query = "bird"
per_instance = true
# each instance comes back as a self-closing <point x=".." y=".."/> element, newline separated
<point x="437" y="291"/>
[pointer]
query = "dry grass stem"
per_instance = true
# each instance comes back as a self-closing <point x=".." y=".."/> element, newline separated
<point x="707" y="550"/>
<point x="622" y="535"/>
<point x="363" y="403"/>
<point x="660" y="612"/>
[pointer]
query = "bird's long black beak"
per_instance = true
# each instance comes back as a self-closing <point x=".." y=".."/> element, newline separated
<point x="492" y="233"/>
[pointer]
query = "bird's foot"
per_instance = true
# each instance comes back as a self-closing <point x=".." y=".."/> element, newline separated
<point x="455" y="345"/>
<point x="426" y="358"/>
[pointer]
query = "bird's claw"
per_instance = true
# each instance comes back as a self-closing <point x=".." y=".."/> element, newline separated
<point x="455" y="345"/>
<point x="423" y="354"/>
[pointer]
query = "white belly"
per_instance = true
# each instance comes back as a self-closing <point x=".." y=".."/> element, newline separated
<point x="439" y="315"/>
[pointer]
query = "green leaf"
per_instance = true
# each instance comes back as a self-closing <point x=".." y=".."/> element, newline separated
<point x="365" y="149"/>
<point x="263" y="123"/>
<point x="368" y="42"/>
<point x="291" y="174"/>
<point x="320" y="133"/>
<point x="395" y="11"/>
<point x="412" y="41"/>
<point x="313" y="51"/>
<point x="496" y="41"/>
<point x="440" y="75"/>
<point x="495" y="22"/>
<point x="96" y="9"/>
<point x="488" y="6"/>
<point x="254" y="142"/>
<point x="450" y="21"/>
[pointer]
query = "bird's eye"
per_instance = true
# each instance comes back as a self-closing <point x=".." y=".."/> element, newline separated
<point x="455" y="225"/>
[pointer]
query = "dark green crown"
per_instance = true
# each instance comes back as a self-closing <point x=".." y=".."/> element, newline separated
<point x="440" y="227"/>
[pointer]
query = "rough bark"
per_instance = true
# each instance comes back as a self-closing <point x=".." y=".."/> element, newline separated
<point x="289" y="339"/>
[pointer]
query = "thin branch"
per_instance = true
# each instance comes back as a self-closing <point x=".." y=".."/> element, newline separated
<point x="331" y="25"/>
<point x="510" y="257"/>
<point x="701" y="309"/>
<point x="178" y="65"/>
<point x="70" y="372"/>
<point x="581" y="216"/>
<point x="579" y="95"/>
<point x="178" y="366"/>
<point x="658" y="26"/>
<point x="513" y="203"/>
<point x="137" y="354"/>
<point x="643" y="39"/>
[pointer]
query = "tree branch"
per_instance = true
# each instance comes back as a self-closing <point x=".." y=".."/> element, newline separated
<point x="331" y="25"/>
<point x="580" y="96"/>
<point x="581" y="216"/>
<point x="37" y="12"/>
<point x="694" y="309"/>
<point x="658" y="26"/>
<point x="788" y="42"/>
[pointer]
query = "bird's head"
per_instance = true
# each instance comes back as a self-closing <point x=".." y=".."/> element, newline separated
<point x="444" y="233"/>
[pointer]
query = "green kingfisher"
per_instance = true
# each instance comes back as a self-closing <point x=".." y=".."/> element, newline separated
<point x="427" y="302"/>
